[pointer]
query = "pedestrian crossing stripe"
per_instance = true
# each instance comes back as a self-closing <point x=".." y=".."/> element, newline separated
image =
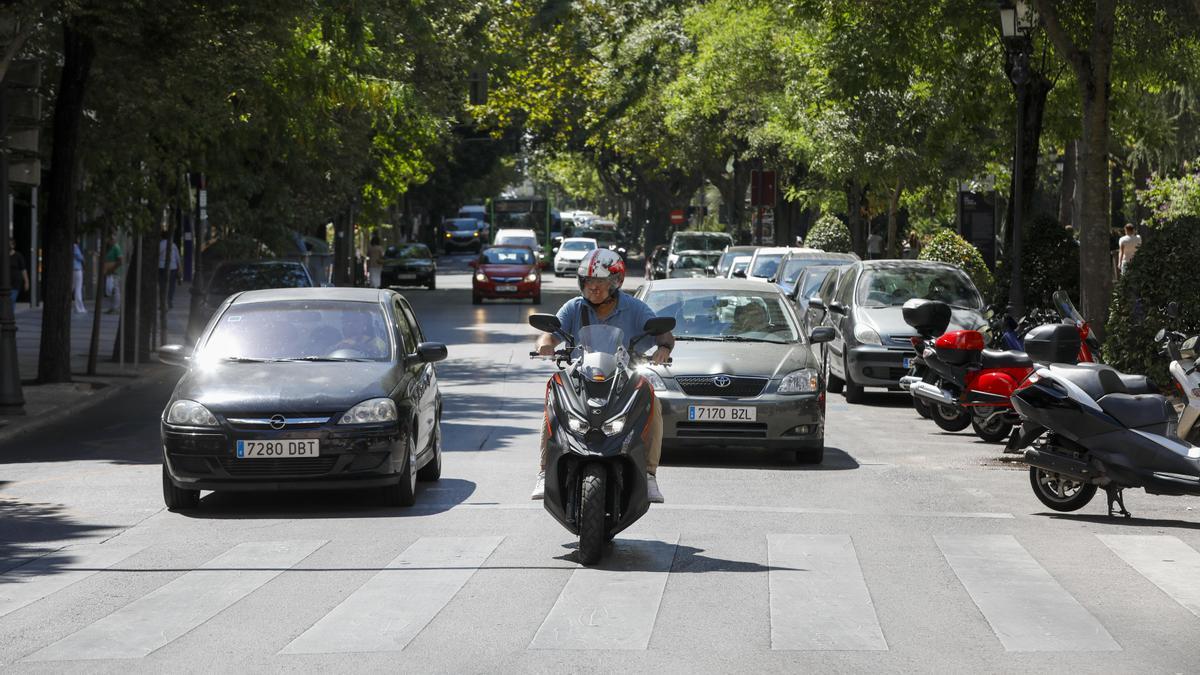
<point x="819" y="598"/>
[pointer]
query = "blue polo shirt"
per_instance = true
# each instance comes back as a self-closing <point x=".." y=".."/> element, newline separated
<point x="630" y="316"/>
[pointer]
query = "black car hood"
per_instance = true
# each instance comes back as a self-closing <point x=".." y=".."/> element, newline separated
<point x="269" y="388"/>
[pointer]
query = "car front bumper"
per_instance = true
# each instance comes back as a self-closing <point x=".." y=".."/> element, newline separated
<point x="566" y="266"/>
<point x="783" y="421"/>
<point x="876" y="366"/>
<point x="490" y="289"/>
<point x="407" y="278"/>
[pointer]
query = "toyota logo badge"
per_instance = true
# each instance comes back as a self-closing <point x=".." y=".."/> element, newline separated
<point x="722" y="381"/>
<point x="278" y="421"/>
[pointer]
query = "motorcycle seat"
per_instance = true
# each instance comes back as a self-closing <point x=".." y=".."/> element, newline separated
<point x="1000" y="359"/>
<point x="1138" y="384"/>
<point x="1094" y="379"/>
<point x="1138" y="411"/>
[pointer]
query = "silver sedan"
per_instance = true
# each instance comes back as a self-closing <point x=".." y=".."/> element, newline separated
<point x="743" y="374"/>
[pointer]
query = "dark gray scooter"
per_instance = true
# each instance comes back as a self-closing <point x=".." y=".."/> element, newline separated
<point x="1082" y="429"/>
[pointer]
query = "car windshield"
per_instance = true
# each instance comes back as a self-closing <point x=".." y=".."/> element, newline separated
<point x="300" y="330"/>
<point x="700" y="242"/>
<point x="578" y="245"/>
<point x="765" y="266"/>
<point x="230" y="279"/>
<point x="695" y="262"/>
<point x="506" y="256"/>
<point x="793" y="267"/>
<point x="413" y="252"/>
<point x="811" y="280"/>
<point x="894" y="286"/>
<point x="740" y="265"/>
<point x="728" y="315"/>
<point x="465" y="225"/>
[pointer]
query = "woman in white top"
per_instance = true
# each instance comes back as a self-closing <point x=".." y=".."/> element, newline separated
<point x="1128" y="246"/>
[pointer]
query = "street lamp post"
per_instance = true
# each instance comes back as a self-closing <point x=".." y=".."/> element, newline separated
<point x="1016" y="22"/>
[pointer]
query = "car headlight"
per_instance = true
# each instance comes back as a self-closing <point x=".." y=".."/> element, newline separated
<point x="374" y="411"/>
<point x="577" y="425"/>
<point x="532" y="276"/>
<point x="866" y="336"/>
<point x="475" y="234"/>
<point x="190" y="414"/>
<point x="480" y="276"/>
<point x="614" y="426"/>
<point x="803" y="381"/>
<point x="653" y="378"/>
<point x="448" y="235"/>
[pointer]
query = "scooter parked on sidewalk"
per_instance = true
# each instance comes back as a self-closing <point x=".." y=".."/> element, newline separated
<point x="598" y="412"/>
<point x="1181" y="349"/>
<point x="1082" y="429"/>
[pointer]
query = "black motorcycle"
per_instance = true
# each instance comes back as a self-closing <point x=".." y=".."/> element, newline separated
<point x="598" y="409"/>
<point x="1084" y="427"/>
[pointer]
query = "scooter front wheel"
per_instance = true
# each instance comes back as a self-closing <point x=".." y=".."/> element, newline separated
<point x="949" y="419"/>
<point x="1059" y="492"/>
<point x="591" y="514"/>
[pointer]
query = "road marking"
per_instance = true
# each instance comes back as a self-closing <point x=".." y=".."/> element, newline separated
<point x="614" y="605"/>
<point x="55" y="571"/>
<point x="395" y="605"/>
<point x="819" y="598"/>
<point x="1166" y="561"/>
<point x="155" y="619"/>
<point x="1027" y="609"/>
<point x="534" y="505"/>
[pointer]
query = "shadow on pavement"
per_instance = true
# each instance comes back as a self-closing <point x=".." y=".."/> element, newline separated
<point x="880" y="399"/>
<point x="477" y="437"/>
<point x="1117" y="520"/>
<point x="836" y="459"/>
<point x="432" y="498"/>
<point x="26" y="525"/>
<point x="640" y="555"/>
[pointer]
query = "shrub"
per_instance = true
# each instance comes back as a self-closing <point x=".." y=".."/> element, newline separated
<point x="1049" y="262"/>
<point x="947" y="246"/>
<point x="1163" y="270"/>
<point x="829" y="234"/>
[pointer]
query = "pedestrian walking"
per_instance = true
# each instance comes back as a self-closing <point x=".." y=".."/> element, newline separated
<point x="168" y="267"/>
<point x="874" y="246"/>
<point x="114" y="260"/>
<point x="18" y="272"/>
<point x="1127" y="247"/>
<point x="913" y="249"/>
<point x="375" y="262"/>
<point x="77" y="280"/>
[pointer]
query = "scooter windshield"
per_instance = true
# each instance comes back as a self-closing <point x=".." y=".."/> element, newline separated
<point x="599" y="338"/>
<point x="1066" y="308"/>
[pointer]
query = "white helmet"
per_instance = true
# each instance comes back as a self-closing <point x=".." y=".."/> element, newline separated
<point x="601" y="263"/>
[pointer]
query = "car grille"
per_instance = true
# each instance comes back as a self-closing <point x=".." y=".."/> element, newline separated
<point x="720" y="430"/>
<point x="294" y="421"/>
<point x="506" y="280"/>
<point x="704" y="385"/>
<point x="900" y="341"/>
<point x="297" y="466"/>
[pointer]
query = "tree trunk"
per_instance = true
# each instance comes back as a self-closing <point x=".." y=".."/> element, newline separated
<point x="1095" y="259"/>
<point x="1066" y="196"/>
<point x="1141" y="181"/>
<point x="854" y="219"/>
<point x="1031" y="114"/>
<point x="138" y="300"/>
<point x="54" y="355"/>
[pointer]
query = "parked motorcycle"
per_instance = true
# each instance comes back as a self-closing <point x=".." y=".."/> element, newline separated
<point x="1083" y="429"/>
<point x="598" y="412"/>
<point x="1181" y="349"/>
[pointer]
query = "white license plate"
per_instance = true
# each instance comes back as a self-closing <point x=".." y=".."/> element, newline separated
<point x="308" y="447"/>
<point x="722" y="413"/>
<point x="506" y="289"/>
<point x="406" y="276"/>
<point x="907" y="363"/>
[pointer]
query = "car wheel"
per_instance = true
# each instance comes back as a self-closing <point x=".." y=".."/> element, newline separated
<point x="177" y="498"/>
<point x="813" y="454"/>
<point x="833" y="383"/>
<point x="476" y="300"/>
<point x="404" y="492"/>
<point x="854" y="391"/>
<point x="537" y="299"/>
<point x="432" y="470"/>
<point x="432" y="284"/>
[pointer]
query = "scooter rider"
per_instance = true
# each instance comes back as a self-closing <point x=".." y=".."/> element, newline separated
<point x="601" y="302"/>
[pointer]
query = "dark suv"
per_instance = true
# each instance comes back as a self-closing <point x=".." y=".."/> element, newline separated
<point x="464" y="234"/>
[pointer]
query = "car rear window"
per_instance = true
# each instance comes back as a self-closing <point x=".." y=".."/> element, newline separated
<point x="893" y="286"/>
<point x="766" y="265"/>
<point x="578" y="246"/>
<point x="412" y="252"/>
<point x="506" y="256"/>
<point x="700" y="242"/>
<point x="301" y="330"/>
<point x="529" y="242"/>
<point x="234" y="278"/>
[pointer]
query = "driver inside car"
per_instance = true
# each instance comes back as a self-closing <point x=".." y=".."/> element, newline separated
<point x="360" y="336"/>
<point x="601" y="302"/>
<point x="750" y="318"/>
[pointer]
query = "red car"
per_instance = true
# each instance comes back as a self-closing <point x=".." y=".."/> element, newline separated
<point x="506" y="272"/>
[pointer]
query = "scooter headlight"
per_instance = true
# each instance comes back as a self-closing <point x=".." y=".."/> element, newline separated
<point x="614" y="426"/>
<point x="577" y="425"/>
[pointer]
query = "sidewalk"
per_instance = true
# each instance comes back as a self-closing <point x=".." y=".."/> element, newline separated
<point x="42" y="401"/>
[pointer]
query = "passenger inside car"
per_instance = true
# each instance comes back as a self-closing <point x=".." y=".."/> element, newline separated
<point x="750" y="318"/>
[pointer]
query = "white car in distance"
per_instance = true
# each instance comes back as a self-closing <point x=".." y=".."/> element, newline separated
<point x="572" y="250"/>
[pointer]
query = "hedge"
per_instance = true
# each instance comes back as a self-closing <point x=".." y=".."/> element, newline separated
<point x="1049" y="262"/>
<point x="829" y="234"/>
<point x="947" y="246"/>
<point x="1163" y="270"/>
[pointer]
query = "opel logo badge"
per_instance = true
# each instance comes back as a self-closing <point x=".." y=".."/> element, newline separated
<point x="278" y="421"/>
<point x="722" y="381"/>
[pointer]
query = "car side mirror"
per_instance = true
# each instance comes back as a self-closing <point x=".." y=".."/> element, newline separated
<point x="547" y="323"/>
<point x="815" y="302"/>
<point x="821" y="334"/>
<point x="711" y="271"/>
<point x="658" y="325"/>
<point x="837" y="308"/>
<point x="174" y="355"/>
<point x="740" y="274"/>
<point x="431" y="352"/>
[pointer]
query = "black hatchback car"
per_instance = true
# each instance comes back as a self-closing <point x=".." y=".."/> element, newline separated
<point x="408" y="265"/>
<point x="303" y="389"/>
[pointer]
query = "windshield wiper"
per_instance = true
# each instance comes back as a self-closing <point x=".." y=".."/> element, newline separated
<point x="322" y="359"/>
<point x="742" y="338"/>
<point x="244" y="359"/>
<point x="704" y="338"/>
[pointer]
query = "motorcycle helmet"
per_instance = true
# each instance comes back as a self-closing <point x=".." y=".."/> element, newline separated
<point x="602" y="263"/>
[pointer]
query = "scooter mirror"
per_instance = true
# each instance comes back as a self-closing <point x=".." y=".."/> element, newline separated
<point x="656" y="326"/>
<point x="547" y="323"/>
<point x="1160" y="335"/>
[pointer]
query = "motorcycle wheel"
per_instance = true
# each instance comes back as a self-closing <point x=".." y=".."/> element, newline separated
<point x="950" y="419"/>
<point x="1059" y="492"/>
<point x="994" y="432"/>
<point x="922" y="408"/>
<point x="591" y="515"/>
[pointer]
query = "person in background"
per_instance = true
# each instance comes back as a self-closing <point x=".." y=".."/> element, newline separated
<point x="77" y="279"/>
<point x="114" y="259"/>
<point x="874" y="246"/>
<point x="1127" y="246"/>
<point x="913" y="248"/>
<point x="168" y="267"/>
<point x="375" y="262"/>
<point x="18" y="271"/>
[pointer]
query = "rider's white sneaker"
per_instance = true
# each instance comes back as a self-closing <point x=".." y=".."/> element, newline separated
<point x="539" y="489"/>
<point x="652" y="492"/>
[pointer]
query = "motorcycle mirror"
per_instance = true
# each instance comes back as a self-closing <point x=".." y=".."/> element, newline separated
<point x="547" y="323"/>
<point x="1160" y="335"/>
<point x="656" y="326"/>
<point x="1173" y="309"/>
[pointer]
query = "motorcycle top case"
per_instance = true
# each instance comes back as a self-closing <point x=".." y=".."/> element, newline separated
<point x="959" y="347"/>
<point x="929" y="317"/>
<point x="1053" y="343"/>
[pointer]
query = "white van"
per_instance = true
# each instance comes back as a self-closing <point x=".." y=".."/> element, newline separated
<point x="515" y="237"/>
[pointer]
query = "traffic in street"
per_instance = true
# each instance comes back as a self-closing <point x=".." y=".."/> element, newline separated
<point x="904" y="548"/>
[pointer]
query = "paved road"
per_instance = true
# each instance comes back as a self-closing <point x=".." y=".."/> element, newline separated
<point x="907" y="550"/>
